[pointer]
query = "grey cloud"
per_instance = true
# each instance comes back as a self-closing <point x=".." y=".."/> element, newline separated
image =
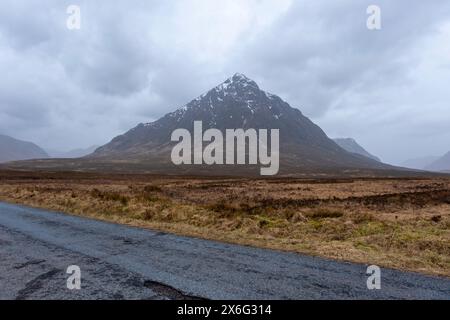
<point x="321" y="50"/>
<point x="131" y="62"/>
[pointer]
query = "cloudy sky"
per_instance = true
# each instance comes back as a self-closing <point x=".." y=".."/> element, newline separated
<point x="134" y="61"/>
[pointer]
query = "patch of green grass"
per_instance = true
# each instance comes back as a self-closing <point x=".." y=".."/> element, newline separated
<point x="265" y="222"/>
<point x="372" y="227"/>
<point x="363" y="246"/>
<point x="316" y="224"/>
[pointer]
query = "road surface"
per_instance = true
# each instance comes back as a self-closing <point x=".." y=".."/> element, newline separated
<point x="121" y="262"/>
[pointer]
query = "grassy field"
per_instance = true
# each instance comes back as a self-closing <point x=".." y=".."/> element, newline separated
<point x="398" y="223"/>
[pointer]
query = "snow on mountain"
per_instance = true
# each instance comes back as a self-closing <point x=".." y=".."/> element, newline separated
<point x="238" y="102"/>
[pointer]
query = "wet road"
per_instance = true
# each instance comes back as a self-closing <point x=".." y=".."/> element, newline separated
<point x="121" y="262"/>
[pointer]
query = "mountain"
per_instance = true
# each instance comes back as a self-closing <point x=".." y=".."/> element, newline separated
<point x="441" y="164"/>
<point x="419" y="163"/>
<point x="75" y="153"/>
<point x="236" y="103"/>
<point x="352" y="146"/>
<point x="12" y="149"/>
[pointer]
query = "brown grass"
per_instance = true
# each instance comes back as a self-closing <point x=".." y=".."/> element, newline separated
<point x="398" y="223"/>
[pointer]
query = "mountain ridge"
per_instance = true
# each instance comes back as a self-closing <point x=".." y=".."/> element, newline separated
<point x="12" y="149"/>
<point x="350" y="145"/>
<point x="238" y="102"/>
<point x="419" y="163"/>
<point x="441" y="164"/>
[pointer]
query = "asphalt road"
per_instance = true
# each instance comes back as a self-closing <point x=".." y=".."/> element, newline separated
<point x="121" y="262"/>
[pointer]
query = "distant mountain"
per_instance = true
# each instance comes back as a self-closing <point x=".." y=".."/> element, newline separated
<point x="419" y="163"/>
<point x="352" y="146"/>
<point x="12" y="149"/>
<point x="75" y="153"/>
<point x="236" y="103"/>
<point x="441" y="164"/>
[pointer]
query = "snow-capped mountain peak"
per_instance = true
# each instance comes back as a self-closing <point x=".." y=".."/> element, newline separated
<point x="240" y="79"/>
<point x="237" y="103"/>
<point x="237" y="86"/>
<point x="236" y="89"/>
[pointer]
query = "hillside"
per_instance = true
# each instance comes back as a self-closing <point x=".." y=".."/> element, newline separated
<point x="352" y="146"/>
<point x="13" y="149"/>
